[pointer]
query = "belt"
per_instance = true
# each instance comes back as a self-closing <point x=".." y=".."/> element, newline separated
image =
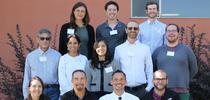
<point x="51" y="86"/>
<point x="136" y="87"/>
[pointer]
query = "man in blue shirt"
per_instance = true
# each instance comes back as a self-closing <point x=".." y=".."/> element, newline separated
<point x="113" y="30"/>
<point x="43" y="62"/>
<point x="152" y="31"/>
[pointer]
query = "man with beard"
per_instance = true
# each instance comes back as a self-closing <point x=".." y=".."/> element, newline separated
<point x="160" y="92"/>
<point x="135" y="60"/>
<point x="118" y="83"/>
<point x="177" y="60"/>
<point x="152" y="30"/>
<point x="79" y="92"/>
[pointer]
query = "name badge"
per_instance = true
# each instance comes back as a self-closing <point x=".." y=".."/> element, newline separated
<point x="131" y="54"/>
<point x="170" y="53"/>
<point x="109" y="69"/>
<point x="70" y="31"/>
<point x="113" y="32"/>
<point x="43" y="58"/>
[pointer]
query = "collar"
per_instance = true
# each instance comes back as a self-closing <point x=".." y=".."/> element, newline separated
<point x="115" y="95"/>
<point x="136" y="42"/>
<point x="42" y="52"/>
<point x="118" y="25"/>
<point x="149" y="22"/>
<point x="74" y="93"/>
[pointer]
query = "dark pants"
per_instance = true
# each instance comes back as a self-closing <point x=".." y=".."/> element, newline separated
<point x="52" y="92"/>
<point x="138" y="91"/>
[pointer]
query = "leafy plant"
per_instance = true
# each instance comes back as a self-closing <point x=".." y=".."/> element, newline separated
<point x="11" y="80"/>
<point x="199" y="87"/>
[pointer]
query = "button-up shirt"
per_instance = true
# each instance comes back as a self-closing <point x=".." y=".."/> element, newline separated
<point x="152" y="34"/>
<point x="113" y="40"/>
<point x="41" y="64"/>
<point x="135" y="60"/>
<point x="124" y="96"/>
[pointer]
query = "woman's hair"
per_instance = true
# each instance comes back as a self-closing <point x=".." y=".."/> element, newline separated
<point x="40" y="80"/>
<point x="95" y="60"/>
<point x="86" y="18"/>
<point x="74" y="36"/>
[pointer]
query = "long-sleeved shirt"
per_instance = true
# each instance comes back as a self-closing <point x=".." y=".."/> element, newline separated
<point x="97" y="78"/>
<point x="114" y="38"/>
<point x="124" y="96"/>
<point x="41" y="64"/>
<point x="135" y="60"/>
<point x="152" y="34"/>
<point x="179" y="63"/>
<point x="67" y="65"/>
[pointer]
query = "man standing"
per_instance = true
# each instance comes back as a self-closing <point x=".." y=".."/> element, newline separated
<point x="113" y="30"/>
<point x="79" y="92"/>
<point x="135" y="60"/>
<point x="43" y="62"/>
<point x="152" y="30"/>
<point x="118" y="83"/>
<point x="160" y="92"/>
<point x="177" y="60"/>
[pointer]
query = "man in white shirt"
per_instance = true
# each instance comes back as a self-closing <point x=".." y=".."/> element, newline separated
<point x="118" y="82"/>
<point x="152" y="31"/>
<point x="135" y="60"/>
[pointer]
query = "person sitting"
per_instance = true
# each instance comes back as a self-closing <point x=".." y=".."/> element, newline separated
<point x="36" y="88"/>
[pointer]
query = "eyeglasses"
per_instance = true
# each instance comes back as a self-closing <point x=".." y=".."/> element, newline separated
<point x="160" y="79"/>
<point x="168" y="31"/>
<point x="44" y="38"/>
<point x="134" y="28"/>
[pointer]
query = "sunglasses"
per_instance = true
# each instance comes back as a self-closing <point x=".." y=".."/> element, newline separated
<point x="45" y="38"/>
<point x="134" y="28"/>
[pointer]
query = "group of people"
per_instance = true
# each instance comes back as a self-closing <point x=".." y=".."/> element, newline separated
<point x="115" y="63"/>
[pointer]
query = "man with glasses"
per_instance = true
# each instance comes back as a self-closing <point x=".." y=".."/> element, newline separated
<point x="135" y="60"/>
<point x="177" y="60"/>
<point x="43" y="62"/>
<point x="160" y="90"/>
<point x="152" y="31"/>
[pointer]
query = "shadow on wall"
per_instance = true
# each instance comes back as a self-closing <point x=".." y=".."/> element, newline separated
<point x="11" y="80"/>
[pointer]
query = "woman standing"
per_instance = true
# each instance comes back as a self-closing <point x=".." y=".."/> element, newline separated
<point x="79" y="25"/>
<point x="36" y="88"/>
<point x="100" y="68"/>
<point x="70" y="62"/>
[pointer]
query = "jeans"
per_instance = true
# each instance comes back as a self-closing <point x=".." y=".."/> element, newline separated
<point x="52" y="92"/>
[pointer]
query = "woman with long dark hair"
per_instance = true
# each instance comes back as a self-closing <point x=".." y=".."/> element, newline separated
<point x="70" y="62"/>
<point x="79" y="25"/>
<point x="100" y="68"/>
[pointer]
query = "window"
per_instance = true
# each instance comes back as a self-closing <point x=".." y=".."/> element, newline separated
<point x="174" y="8"/>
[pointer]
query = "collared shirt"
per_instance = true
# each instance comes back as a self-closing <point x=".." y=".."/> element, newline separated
<point x="71" y="95"/>
<point x="113" y="40"/>
<point x="124" y="96"/>
<point x="41" y="64"/>
<point x="152" y="34"/>
<point x="135" y="60"/>
<point x="67" y="65"/>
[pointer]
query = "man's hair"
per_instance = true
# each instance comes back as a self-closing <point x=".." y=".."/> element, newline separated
<point x="79" y="70"/>
<point x="42" y="31"/>
<point x="160" y="71"/>
<point x="151" y="3"/>
<point x="111" y="3"/>
<point x="172" y="24"/>
<point x="118" y="71"/>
